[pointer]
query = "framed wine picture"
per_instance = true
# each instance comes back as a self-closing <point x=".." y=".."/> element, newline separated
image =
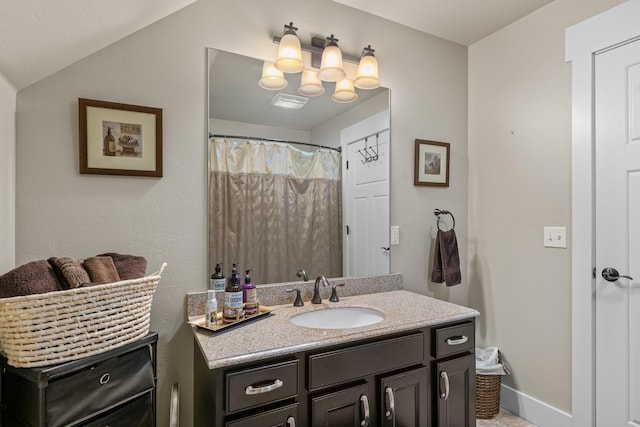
<point x="119" y="139"/>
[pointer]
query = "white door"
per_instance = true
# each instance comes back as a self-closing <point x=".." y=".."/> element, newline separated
<point x="617" y="302"/>
<point x="366" y="218"/>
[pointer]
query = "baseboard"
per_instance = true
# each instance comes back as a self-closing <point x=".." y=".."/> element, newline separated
<point x="532" y="409"/>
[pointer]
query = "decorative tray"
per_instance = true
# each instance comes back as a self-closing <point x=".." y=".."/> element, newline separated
<point x="201" y="322"/>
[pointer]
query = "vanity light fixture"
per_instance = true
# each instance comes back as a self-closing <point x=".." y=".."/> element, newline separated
<point x="331" y="66"/>
<point x="289" y="53"/>
<point x="345" y="92"/>
<point x="272" y="78"/>
<point x="311" y="85"/>
<point x="367" y="77"/>
<point x="326" y="66"/>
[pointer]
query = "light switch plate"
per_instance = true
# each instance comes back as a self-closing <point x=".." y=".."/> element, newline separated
<point x="555" y="237"/>
<point x="395" y="234"/>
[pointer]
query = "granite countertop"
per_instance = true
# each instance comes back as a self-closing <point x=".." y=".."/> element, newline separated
<point x="274" y="335"/>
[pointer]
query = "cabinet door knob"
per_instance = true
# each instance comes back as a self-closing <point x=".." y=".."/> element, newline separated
<point x="364" y="401"/>
<point x="445" y="378"/>
<point x="391" y="406"/>
<point x="264" y="389"/>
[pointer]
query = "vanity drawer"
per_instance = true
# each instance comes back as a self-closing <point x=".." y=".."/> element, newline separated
<point x="341" y="366"/>
<point x="253" y="387"/>
<point x="454" y="339"/>
<point x="99" y="386"/>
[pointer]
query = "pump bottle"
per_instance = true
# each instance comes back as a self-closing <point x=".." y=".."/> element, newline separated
<point x="249" y="296"/>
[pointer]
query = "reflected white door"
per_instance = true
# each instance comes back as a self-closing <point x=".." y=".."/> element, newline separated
<point x="366" y="217"/>
<point x="617" y="302"/>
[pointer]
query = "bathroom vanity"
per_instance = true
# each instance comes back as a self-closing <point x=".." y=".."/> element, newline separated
<point x="416" y="367"/>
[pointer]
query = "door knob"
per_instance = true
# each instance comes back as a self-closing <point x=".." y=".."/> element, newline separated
<point x="610" y="274"/>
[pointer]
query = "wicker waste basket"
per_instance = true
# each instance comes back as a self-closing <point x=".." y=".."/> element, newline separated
<point x="489" y="371"/>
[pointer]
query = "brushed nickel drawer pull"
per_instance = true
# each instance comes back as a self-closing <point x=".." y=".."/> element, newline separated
<point x="291" y="422"/>
<point x="364" y="402"/>
<point x="266" y="389"/>
<point x="445" y="395"/>
<point x="463" y="339"/>
<point x="105" y="378"/>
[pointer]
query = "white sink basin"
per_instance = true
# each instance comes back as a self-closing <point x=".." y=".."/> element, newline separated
<point x="338" y="318"/>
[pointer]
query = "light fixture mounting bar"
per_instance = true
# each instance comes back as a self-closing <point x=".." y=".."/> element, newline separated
<point x="316" y="47"/>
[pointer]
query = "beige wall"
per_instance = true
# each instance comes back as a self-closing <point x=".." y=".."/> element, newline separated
<point x="520" y="181"/>
<point x="7" y="174"/>
<point x="164" y="65"/>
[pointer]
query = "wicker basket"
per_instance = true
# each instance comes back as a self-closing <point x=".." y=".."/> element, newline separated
<point x="488" y="395"/>
<point x="46" y="329"/>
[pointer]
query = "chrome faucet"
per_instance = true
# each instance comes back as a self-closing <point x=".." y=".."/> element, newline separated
<point x="316" y="289"/>
<point x="303" y="275"/>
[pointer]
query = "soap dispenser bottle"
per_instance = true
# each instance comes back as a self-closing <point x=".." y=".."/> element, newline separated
<point x="217" y="281"/>
<point x="212" y="309"/>
<point x="233" y="304"/>
<point x="250" y="295"/>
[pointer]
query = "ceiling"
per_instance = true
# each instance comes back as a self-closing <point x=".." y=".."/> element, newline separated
<point x="461" y="21"/>
<point x="40" y="37"/>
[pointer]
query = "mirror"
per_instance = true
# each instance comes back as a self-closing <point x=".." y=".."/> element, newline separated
<point x="240" y="110"/>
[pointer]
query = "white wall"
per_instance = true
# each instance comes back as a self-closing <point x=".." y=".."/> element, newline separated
<point x="520" y="181"/>
<point x="7" y="174"/>
<point x="164" y="65"/>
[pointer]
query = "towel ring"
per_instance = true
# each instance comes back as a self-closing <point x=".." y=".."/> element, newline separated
<point x="439" y="212"/>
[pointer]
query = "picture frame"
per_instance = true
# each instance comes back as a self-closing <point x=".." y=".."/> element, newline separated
<point x="119" y="139"/>
<point x="431" y="163"/>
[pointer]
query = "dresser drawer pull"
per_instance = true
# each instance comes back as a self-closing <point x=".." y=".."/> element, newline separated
<point x="463" y="339"/>
<point x="291" y="422"/>
<point x="105" y="378"/>
<point x="265" y="389"/>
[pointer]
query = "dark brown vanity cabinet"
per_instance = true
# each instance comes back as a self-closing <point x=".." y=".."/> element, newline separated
<point x="114" y="388"/>
<point x="385" y="381"/>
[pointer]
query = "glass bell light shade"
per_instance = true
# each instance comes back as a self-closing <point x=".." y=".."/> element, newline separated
<point x="310" y="85"/>
<point x="331" y="65"/>
<point x="367" y="76"/>
<point x="289" y="54"/>
<point x="272" y="78"/>
<point x="345" y="92"/>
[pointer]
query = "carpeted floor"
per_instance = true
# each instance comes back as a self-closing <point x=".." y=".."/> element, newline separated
<point x="505" y="419"/>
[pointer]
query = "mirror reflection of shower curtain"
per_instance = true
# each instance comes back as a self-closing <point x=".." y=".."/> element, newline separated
<point x="275" y="209"/>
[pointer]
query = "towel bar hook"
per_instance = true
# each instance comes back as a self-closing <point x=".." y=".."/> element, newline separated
<point x="439" y="212"/>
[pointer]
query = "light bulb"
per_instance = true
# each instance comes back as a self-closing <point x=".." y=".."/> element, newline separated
<point x="272" y="78"/>
<point x="345" y="92"/>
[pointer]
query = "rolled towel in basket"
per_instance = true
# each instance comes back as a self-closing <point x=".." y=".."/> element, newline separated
<point x="446" y="260"/>
<point x="101" y="269"/>
<point x="128" y="266"/>
<point x="35" y="277"/>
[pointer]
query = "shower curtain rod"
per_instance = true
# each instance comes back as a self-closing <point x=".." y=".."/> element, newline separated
<point x="338" y="149"/>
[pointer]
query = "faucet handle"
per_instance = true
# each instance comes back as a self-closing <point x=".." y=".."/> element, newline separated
<point x="298" y="302"/>
<point x="334" y="294"/>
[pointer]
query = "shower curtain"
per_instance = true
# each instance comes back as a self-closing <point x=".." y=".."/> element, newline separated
<point x="274" y="209"/>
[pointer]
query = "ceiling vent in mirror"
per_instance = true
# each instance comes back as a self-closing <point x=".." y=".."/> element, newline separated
<point x="286" y="100"/>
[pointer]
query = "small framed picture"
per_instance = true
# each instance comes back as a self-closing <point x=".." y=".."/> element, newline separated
<point x="431" y="163"/>
<point x="119" y="139"/>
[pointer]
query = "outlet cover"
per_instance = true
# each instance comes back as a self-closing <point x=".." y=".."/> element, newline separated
<point x="555" y="237"/>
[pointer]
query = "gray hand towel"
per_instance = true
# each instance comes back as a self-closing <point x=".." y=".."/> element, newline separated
<point x="446" y="260"/>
